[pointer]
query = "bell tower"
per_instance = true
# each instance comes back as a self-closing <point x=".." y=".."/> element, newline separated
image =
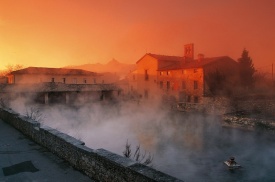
<point x="189" y="51"/>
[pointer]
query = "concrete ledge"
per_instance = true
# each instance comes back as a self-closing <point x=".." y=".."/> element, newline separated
<point x="100" y="164"/>
<point x="63" y="136"/>
<point x="123" y="161"/>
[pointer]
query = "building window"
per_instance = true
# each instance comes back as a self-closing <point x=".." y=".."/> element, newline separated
<point x="146" y="75"/>
<point x="160" y="73"/>
<point x="84" y="80"/>
<point x="188" y="98"/>
<point x="11" y="79"/>
<point x="168" y="72"/>
<point x="74" y="81"/>
<point x="196" y="99"/>
<point x="161" y="84"/>
<point x="94" y="80"/>
<point x="182" y="96"/>
<point x="146" y="94"/>
<point x="183" y="85"/>
<point x="52" y="79"/>
<point x="64" y="80"/>
<point x="195" y="84"/>
<point x="168" y="85"/>
<point x="195" y="70"/>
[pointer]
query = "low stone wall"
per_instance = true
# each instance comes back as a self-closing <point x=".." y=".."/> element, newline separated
<point x="99" y="164"/>
<point x="264" y="107"/>
<point x="208" y="105"/>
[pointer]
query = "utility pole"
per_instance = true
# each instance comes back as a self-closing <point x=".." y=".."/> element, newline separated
<point x="272" y="72"/>
<point x="273" y="82"/>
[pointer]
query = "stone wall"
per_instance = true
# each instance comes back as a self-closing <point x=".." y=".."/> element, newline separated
<point x="99" y="164"/>
<point x="263" y="107"/>
<point x="207" y="105"/>
<point x="260" y="107"/>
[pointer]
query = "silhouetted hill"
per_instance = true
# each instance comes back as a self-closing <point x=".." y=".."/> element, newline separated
<point x="113" y="66"/>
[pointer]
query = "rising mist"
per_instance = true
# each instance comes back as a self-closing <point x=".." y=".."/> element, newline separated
<point x="189" y="146"/>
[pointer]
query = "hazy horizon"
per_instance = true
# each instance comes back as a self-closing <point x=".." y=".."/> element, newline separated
<point x="61" y="33"/>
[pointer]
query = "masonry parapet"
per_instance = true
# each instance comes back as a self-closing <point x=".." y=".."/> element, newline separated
<point x="99" y="164"/>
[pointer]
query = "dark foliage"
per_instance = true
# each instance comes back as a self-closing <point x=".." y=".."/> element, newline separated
<point x="218" y="83"/>
<point x="246" y="70"/>
<point x="143" y="158"/>
<point x="10" y="68"/>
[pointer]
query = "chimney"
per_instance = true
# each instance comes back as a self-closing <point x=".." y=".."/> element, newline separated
<point x="200" y="57"/>
<point x="189" y="51"/>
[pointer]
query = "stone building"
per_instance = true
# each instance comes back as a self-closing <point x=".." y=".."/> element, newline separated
<point x="188" y="81"/>
<point x="3" y="80"/>
<point x="58" y="75"/>
<point x="184" y="79"/>
<point x="58" y="85"/>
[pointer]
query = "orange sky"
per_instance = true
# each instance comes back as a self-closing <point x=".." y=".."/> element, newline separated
<point x="56" y="33"/>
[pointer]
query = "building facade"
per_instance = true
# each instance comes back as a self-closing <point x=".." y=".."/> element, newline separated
<point x="183" y="79"/>
<point x="58" y="85"/>
<point x="58" y="75"/>
<point x="192" y="80"/>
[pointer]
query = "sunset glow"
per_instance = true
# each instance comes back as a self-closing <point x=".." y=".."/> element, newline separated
<point x="56" y="33"/>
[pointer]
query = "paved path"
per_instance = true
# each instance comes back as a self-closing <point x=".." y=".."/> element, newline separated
<point x="22" y="160"/>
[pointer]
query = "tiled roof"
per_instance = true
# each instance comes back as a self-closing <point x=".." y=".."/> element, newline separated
<point x="52" y="71"/>
<point x="56" y="87"/>
<point x="176" y="62"/>
<point x="163" y="58"/>
<point x="195" y="63"/>
<point x="166" y="58"/>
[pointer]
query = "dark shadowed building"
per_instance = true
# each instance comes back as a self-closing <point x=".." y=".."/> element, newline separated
<point x="58" y="85"/>
<point x="59" y="75"/>
<point x="184" y="79"/>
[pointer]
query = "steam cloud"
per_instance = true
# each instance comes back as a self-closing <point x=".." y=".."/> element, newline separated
<point x="191" y="147"/>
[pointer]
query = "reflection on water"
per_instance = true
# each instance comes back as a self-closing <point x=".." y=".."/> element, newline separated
<point x="195" y="147"/>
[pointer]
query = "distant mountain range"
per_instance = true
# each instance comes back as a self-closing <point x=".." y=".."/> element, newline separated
<point x="113" y="66"/>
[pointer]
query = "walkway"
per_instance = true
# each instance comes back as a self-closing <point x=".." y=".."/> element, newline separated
<point x="22" y="160"/>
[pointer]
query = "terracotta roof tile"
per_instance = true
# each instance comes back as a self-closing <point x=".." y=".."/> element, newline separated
<point x="177" y="62"/>
<point x="195" y="63"/>
<point x="166" y="58"/>
<point x="52" y="71"/>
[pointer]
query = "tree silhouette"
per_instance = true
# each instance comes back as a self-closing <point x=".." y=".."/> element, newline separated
<point x="10" y="68"/>
<point x="219" y="83"/>
<point x="215" y="81"/>
<point x="145" y="158"/>
<point x="246" y="70"/>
